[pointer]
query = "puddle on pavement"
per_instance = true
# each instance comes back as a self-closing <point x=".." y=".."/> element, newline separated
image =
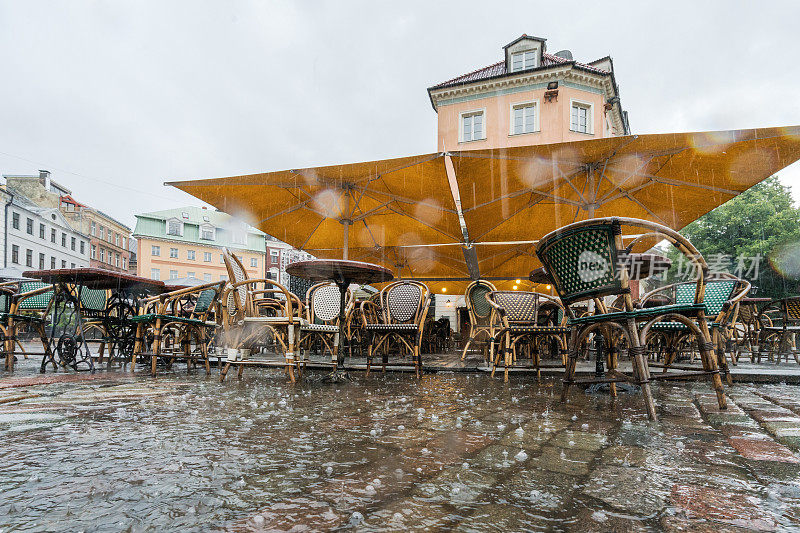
<point x="387" y="452"/>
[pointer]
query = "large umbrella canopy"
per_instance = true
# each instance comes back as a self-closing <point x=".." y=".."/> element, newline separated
<point x="405" y="201"/>
<point x="456" y="216"/>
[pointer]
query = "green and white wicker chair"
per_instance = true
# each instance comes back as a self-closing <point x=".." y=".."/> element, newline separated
<point x="404" y="306"/>
<point x="721" y="297"/>
<point x="520" y="318"/>
<point x="479" y="311"/>
<point x="25" y="304"/>
<point x="183" y="315"/>
<point x="585" y="262"/>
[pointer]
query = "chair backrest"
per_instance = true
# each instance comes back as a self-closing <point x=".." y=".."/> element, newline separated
<point x="93" y="299"/>
<point x="323" y="301"/>
<point x="475" y="297"/>
<point x="236" y="273"/>
<point x="582" y="260"/>
<point x="792" y="306"/>
<point x="404" y="301"/>
<point x="717" y="293"/>
<point x="204" y="300"/>
<point x="40" y="302"/>
<point x="518" y="306"/>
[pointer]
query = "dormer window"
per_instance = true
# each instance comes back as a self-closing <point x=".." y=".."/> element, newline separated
<point x="207" y="232"/>
<point x="185" y="215"/>
<point x="174" y="227"/>
<point x="523" y="60"/>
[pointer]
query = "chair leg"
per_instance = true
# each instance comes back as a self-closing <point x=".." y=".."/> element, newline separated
<point x="569" y="367"/>
<point x="239" y="372"/>
<point x="709" y="359"/>
<point x="224" y="372"/>
<point x="469" y="341"/>
<point x="722" y="359"/>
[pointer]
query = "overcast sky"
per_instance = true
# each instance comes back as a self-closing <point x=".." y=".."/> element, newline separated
<point x="117" y="97"/>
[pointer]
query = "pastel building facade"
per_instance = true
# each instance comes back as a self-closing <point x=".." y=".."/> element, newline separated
<point x="188" y="242"/>
<point x="529" y="97"/>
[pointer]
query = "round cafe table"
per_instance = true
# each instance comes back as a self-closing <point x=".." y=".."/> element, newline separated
<point x="343" y="273"/>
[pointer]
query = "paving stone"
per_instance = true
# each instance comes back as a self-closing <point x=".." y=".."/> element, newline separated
<point x="410" y="514"/>
<point x="635" y="456"/>
<point x="456" y="486"/>
<point x="297" y="514"/>
<point x="632" y="490"/>
<point x="763" y="450"/>
<point x="573" y="462"/>
<point x="732" y="508"/>
<point x="500" y="517"/>
<point x="720" y="419"/>
<point x="498" y="458"/>
<point x="608" y="522"/>
<point x="520" y="438"/>
<point x="579" y="439"/>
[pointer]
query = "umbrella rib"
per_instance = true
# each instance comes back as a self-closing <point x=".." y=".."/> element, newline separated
<point x="395" y="210"/>
<point x="302" y="246"/>
<point x="518" y="211"/>
<point x="624" y="181"/>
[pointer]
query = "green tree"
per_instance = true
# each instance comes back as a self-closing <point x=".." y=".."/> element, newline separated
<point x="761" y="224"/>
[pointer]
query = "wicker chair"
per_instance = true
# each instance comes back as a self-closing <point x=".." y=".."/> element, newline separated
<point x="248" y="323"/>
<point x="519" y="317"/>
<point x="720" y="298"/>
<point x="779" y="338"/>
<point x="181" y="315"/>
<point x="585" y="261"/>
<point x="479" y="311"/>
<point x="322" y="319"/>
<point x="404" y="306"/>
<point x="25" y="304"/>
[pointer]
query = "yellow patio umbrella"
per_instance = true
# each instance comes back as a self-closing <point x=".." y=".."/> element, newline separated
<point x="451" y="217"/>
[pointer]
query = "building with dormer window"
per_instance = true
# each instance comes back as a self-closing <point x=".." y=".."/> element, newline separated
<point x="529" y="97"/>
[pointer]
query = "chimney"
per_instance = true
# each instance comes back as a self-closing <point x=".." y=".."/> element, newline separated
<point x="44" y="179"/>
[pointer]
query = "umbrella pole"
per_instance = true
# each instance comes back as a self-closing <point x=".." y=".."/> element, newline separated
<point x="346" y="244"/>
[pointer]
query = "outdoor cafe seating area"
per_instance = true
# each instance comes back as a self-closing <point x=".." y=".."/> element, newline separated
<point x="84" y="318"/>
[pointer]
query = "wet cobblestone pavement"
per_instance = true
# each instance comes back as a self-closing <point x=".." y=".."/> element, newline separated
<point x="118" y="452"/>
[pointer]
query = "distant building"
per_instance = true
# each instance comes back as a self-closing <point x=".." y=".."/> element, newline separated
<point x="529" y="97"/>
<point x="38" y="236"/>
<point x="188" y="242"/>
<point x="108" y="238"/>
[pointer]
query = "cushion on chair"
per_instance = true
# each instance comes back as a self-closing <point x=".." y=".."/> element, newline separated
<point x="324" y="328"/>
<point x="392" y="327"/>
<point x="538" y="329"/>
<point x="152" y="317"/>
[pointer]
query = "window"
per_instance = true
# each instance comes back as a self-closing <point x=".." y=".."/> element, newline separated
<point x="125" y="243"/>
<point x="221" y="259"/>
<point x="64" y="240"/>
<point x="93" y="229"/>
<point x="185" y="215"/>
<point x="239" y="237"/>
<point x="29" y="257"/>
<point x="42" y="231"/>
<point x="155" y="250"/>
<point x="41" y="261"/>
<point x="116" y="239"/>
<point x="124" y="264"/>
<point x="581" y="117"/>
<point x="63" y="264"/>
<point x="102" y="255"/>
<point x="472" y="126"/>
<point x="110" y="236"/>
<point x="83" y="247"/>
<point x="173" y="274"/>
<point x="29" y="226"/>
<point x="223" y="277"/>
<point x="254" y="262"/>
<point x="190" y="255"/>
<point x="116" y="260"/>
<point x="14" y="253"/>
<point x="93" y="252"/>
<point x="174" y="227"/>
<point x="206" y="277"/>
<point x="524" y="118"/>
<point x="190" y="274"/>
<point x="274" y="256"/>
<point x="207" y="232"/>
<point x="155" y="274"/>
<point x="523" y="60"/>
<point x="173" y="253"/>
<point x="102" y="233"/>
<point x="207" y="257"/>
<point x="15" y="220"/>
<point x="72" y="242"/>
<point x="53" y="235"/>
<point x="52" y="262"/>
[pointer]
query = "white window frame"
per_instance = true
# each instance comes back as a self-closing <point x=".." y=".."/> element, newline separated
<point x="468" y="113"/>
<point x="190" y="255"/>
<point x="208" y="257"/>
<point x="155" y="273"/>
<point x="206" y="277"/>
<point x="254" y="262"/>
<point x="533" y="51"/>
<point x="516" y="105"/>
<point x="173" y="274"/>
<point x="204" y="227"/>
<point x="589" y="115"/>
<point x="173" y="253"/>
<point x="180" y="226"/>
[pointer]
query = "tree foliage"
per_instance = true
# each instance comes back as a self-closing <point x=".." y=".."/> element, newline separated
<point x="761" y="224"/>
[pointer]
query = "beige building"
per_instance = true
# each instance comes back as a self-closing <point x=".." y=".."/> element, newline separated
<point x="108" y="238"/>
<point x="529" y="97"/>
<point x="188" y="242"/>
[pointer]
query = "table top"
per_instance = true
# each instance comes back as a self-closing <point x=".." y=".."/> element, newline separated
<point x="539" y="275"/>
<point x="95" y="278"/>
<point x="341" y="270"/>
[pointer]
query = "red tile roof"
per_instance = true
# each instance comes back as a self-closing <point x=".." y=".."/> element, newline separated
<point x="499" y="69"/>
